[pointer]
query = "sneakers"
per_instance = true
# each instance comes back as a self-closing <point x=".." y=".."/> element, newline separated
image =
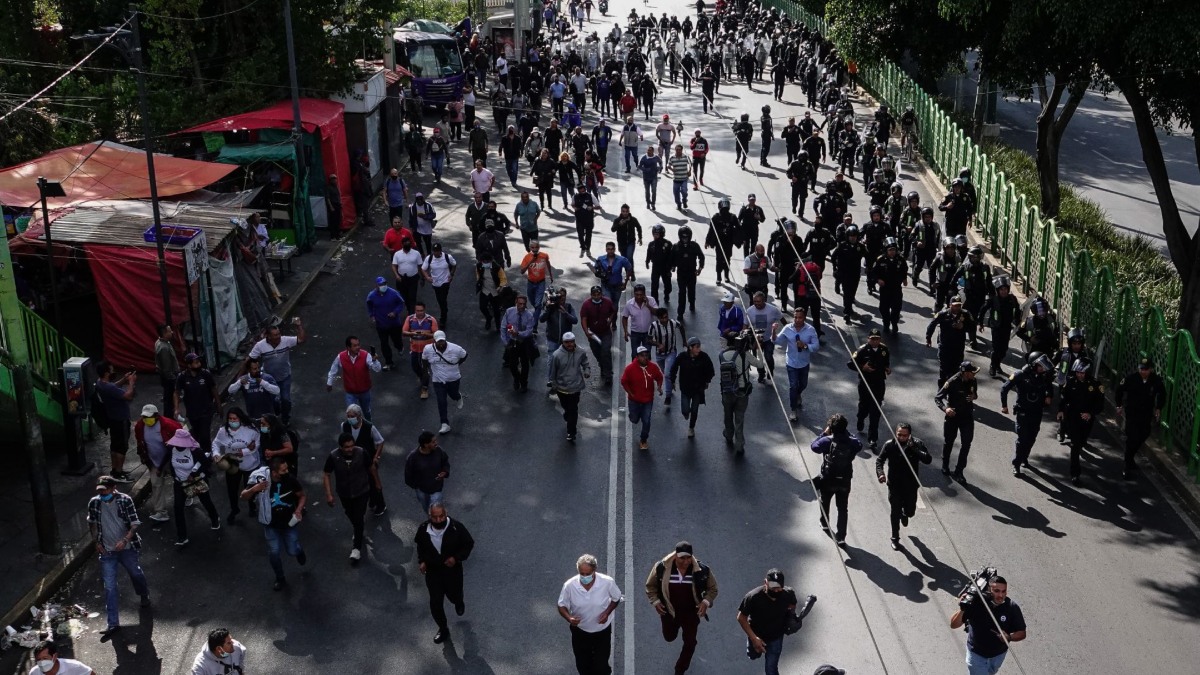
<point x="181" y="542"/>
<point x="355" y="556"/>
<point x="122" y="477"/>
<point x="1017" y="472"/>
<point x="643" y="445"/>
<point x="379" y="511"/>
<point x="570" y="438"/>
<point x="691" y="432"/>
<point x="895" y="544"/>
<point x="444" y="429"/>
<point x="215" y="525"/>
<point x="159" y="517"/>
<point x="459" y="403"/>
<point x="793" y="417"/>
<point x="841" y="540"/>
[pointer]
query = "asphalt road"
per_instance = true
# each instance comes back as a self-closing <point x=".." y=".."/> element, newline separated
<point x="1085" y="563"/>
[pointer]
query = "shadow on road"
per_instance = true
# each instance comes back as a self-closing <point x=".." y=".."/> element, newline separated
<point x="889" y="579"/>
<point x="1012" y="514"/>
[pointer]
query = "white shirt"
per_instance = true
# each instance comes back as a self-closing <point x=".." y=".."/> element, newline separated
<point x="438" y="268"/>
<point x="443" y="366"/>
<point x="502" y="66"/>
<point x="373" y="365"/>
<point x="436" y="535"/>
<point x="588" y="604"/>
<point x="375" y="435"/>
<point x="408" y="263"/>
<point x="237" y="443"/>
<point x="481" y="180"/>
<point x="276" y="361"/>
<point x="66" y="667"/>
<point x="183" y="463"/>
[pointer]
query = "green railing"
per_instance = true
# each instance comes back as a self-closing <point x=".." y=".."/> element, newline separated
<point x="1047" y="261"/>
<point x="44" y="357"/>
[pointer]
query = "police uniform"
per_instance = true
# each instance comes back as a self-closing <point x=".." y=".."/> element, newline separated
<point x="941" y="275"/>
<point x="742" y="133"/>
<point x="687" y="259"/>
<point x="1063" y="359"/>
<point x="1003" y="315"/>
<point x="847" y="271"/>
<point x="1080" y="397"/>
<point x="659" y="257"/>
<point x="958" y="393"/>
<point x="952" y="339"/>
<point x="975" y="278"/>
<point x="780" y="249"/>
<point x="1142" y="400"/>
<point x="873" y="365"/>
<point x="891" y="275"/>
<point x="1034" y="393"/>
<point x="1041" y="332"/>
<point x="767" y="134"/>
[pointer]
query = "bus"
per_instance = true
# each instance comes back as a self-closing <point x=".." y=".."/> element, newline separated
<point x="437" y="68"/>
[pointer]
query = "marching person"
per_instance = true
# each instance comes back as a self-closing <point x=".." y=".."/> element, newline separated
<point x="1140" y="399"/>
<point x="587" y="602"/>
<point x="1002" y="312"/>
<point x="419" y="328"/>
<point x="1035" y="393"/>
<point x="954" y="325"/>
<point x="113" y="521"/>
<point x="352" y="469"/>
<point x="569" y="370"/>
<point x="385" y="308"/>
<point x="693" y="371"/>
<point x="187" y="466"/>
<point x="355" y="366"/>
<point x="275" y="352"/>
<point x="687" y="259"/>
<point x="366" y="436"/>
<point x="800" y="341"/>
<point x="443" y="546"/>
<point x="659" y="261"/>
<point x="873" y="362"/>
<point x="520" y="347"/>
<point x="640" y="379"/>
<point x="681" y="589"/>
<point x="636" y="317"/>
<point x="151" y="433"/>
<point x="444" y="361"/>
<point x="1081" y="401"/>
<point x="426" y="470"/>
<point x="890" y="273"/>
<point x="956" y="399"/>
<point x="764" y="320"/>
<point x="281" y="501"/>
<point x="903" y="456"/>
<point x="838" y="448"/>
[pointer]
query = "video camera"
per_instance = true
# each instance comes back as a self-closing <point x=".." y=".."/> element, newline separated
<point x="980" y="584"/>
<point x="745" y="340"/>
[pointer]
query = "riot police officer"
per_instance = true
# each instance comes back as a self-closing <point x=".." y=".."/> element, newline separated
<point x="830" y="206"/>
<point x="847" y="269"/>
<point x="890" y="273"/>
<point x="1003" y="313"/>
<point x="785" y="248"/>
<point x="1065" y="357"/>
<point x="1034" y="394"/>
<point x="723" y="236"/>
<point x="974" y="277"/>
<point x="1040" y="328"/>
<point x="658" y="260"/>
<point x="819" y="243"/>
<point x="941" y="273"/>
<point x="687" y="259"/>
<point x="800" y="174"/>
<point x="742" y="133"/>
<point x="956" y="399"/>
<point x="749" y="217"/>
<point x="924" y="236"/>
<point x="957" y="208"/>
<point x="873" y="362"/>
<point x="954" y="324"/>
<point x="1081" y="401"/>
<point x="766" y="135"/>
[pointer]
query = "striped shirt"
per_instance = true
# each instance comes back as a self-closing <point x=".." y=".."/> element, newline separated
<point x="678" y="167"/>
<point x="665" y="334"/>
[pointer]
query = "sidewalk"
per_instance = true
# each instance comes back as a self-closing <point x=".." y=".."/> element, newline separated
<point x="33" y="577"/>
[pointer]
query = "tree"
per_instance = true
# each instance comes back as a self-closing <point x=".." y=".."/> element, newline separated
<point x="874" y="31"/>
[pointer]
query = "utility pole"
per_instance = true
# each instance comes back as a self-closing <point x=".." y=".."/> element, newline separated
<point x="52" y="188"/>
<point x="297" y="124"/>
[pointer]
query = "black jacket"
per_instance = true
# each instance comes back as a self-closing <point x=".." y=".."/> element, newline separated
<point x="899" y="476"/>
<point x="456" y="543"/>
<point x="693" y="374"/>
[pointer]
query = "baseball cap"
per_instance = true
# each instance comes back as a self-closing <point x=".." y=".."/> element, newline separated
<point x="827" y="669"/>
<point x="727" y="296"/>
<point x="751" y="196"/>
<point x="643" y="350"/>
<point x="774" y="578"/>
<point x="380" y="280"/>
<point x="1146" y="364"/>
<point x="568" y="337"/>
<point x="191" y="356"/>
<point x="106" y="482"/>
<point x="439" y="336"/>
<point x="149" y="410"/>
<point x="967" y="367"/>
<point x="683" y="549"/>
<point x="875" y="332"/>
<point x="693" y="341"/>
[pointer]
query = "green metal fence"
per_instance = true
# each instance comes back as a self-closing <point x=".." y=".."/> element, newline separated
<point x="1047" y="261"/>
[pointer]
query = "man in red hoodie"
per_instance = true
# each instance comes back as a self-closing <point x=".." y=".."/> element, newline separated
<point x="641" y="379"/>
<point x="151" y="433"/>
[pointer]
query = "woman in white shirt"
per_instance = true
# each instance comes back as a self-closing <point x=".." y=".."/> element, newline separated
<point x="237" y="442"/>
<point x="187" y="465"/>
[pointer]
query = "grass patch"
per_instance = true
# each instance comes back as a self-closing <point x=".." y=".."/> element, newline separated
<point x="1134" y="260"/>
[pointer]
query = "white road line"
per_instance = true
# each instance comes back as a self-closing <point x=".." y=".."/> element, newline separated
<point x="629" y="573"/>
<point x="614" y="432"/>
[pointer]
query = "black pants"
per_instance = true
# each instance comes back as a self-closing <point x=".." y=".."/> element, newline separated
<point x="849" y="291"/>
<point x="779" y="89"/>
<point x="724" y="253"/>
<point x="180" y="509"/>
<point x="583" y="230"/>
<point x="904" y="503"/>
<point x="519" y="362"/>
<point x="961" y="426"/>
<point x="687" y="292"/>
<point x="922" y="258"/>
<point x="570" y="404"/>
<point x="1136" y="433"/>
<point x="765" y="150"/>
<point x="698" y="169"/>
<point x="1078" y="430"/>
<point x="741" y="152"/>
<point x="1000" y="338"/>
<point x="168" y="402"/>
<point x="792" y="151"/>
<point x="950" y="358"/>
<point x="890" y="302"/>
<point x="660" y="273"/>
<point x="442" y="295"/>
<point x="868" y="410"/>
<point x="201" y="426"/>
<point x="444" y="583"/>
<point x="388" y="337"/>
<point x="489" y="307"/>
<point x="592" y="651"/>
<point x="356" y="511"/>
<point x="408" y="290"/>
<point x="840" y="490"/>
<point x="799" y="197"/>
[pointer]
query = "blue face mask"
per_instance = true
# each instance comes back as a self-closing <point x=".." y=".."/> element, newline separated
<point x="586" y="579"/>
<point x="108" y="497"/>
<point x="235" y="425"/>
<point x="264" y="430"/>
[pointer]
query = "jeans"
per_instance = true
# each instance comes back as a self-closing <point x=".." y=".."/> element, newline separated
<point x="428" y="499"/>
<point x="285" y="399"/>
<point x="513" y="166"/>
<point x="536" y="292"/>
<point x="797" y="383"/>
<point x="772" y="654"/>
<point x="636" y="340"/>
<point x="665" y="363"/>
<point x="437" y="162"/>
<point x="642" y="412"/>
<point x="651" y="185"/>
<point x="363" y="400"/>
<point x="628" y="249"/>
<point x="614" y="293"/>
<point x="287" y="538"/>
<point x="631" y="152"/>
<point x="979" y="665"/>
<point x="680" y="190"/>
<point x="567" y="192"/>
<point x="443" y="391"/>
<point x="127" y="558"/>
<point x="690" y="407"/>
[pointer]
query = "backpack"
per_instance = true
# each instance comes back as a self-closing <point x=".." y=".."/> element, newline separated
<point x="99" y="413"/>
<point x="730" y="372"/>
<point x="839" y="461"/>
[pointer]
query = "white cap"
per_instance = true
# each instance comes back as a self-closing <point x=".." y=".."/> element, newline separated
<point x="439" y="336"/>
<point x="727" y="296"/>
<point x="149" y="410"/>
<point x="643" y="349"/>
<point x="568" y="337"/>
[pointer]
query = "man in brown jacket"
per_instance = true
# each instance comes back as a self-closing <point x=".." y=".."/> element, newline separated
<point x="682" y="589"/>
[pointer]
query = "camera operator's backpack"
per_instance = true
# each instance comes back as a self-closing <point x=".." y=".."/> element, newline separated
<point x="730" y="371"/>
<point x="839" y="460"/>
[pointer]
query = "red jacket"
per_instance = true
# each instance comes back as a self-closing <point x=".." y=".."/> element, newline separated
<point x="166" y="426"/>
<point x="640" y="382"/>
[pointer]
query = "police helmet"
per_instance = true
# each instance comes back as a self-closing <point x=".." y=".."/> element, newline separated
<point x="1042" y="361"/>
<point x="685" y="232"/>
<point x="852" y="231"/>
<point x="926" y="211"/>
<point x="975" y="251"/>
<point x="723" y="204"/>
<point x="908" y="108"/>
<point x="745" y="117"/>
<point x="1040" y="306"/>
<point x="658" y="229"/>
<point x="877" y="173"/>
<point x="957" y="182"/>
<point x="802" y="156"/>
<point x="1075" y="334"/>
<point x="875" y="208"/>
<point x="890" y="242"/>
<point x="830" y="186"/>
<point x="913" y="195"/>
<point x="1001" y="281"/>
<point x="964" y="172"/>
<point x="960" y="240"/>
<point x="947" y="242"/>
<point x="897" y="187"/>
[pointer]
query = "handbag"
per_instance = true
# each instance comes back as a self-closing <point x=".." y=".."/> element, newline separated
<point x="228" y="463"/>
<point x="195" y="486"/>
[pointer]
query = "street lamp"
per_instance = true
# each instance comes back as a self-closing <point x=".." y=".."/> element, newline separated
<point x="129" y="44"/>
<point x="52" y="188"/>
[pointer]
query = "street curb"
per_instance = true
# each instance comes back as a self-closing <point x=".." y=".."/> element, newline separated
<point x="75" y="555"/>
<point x="1182" y="486"/>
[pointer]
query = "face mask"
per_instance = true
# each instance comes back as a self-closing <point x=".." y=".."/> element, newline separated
<point x="354" y="421"/>
<point x="264" y="430"/>
<point x="486" y="266"/>
<point x="597" y="300"/>
<point x="108" y="497"/>
<point x="46" y="665"/>
<point x="149" y="421"/>
<point x="381" y="289"/>
<point x="585" y="580"/>
<point x="440" y="526"/>
<point x="234" y="425"/>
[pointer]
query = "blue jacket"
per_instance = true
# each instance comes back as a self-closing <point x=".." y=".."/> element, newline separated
<point x="379" y="305"/>
<point x="732" y="319"/>
<point x="651" y="167"/>
<point x="611" y="273"/>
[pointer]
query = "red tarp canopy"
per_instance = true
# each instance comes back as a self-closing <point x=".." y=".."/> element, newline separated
<point x="316" y="116"/>
<point x="104" y="170"/>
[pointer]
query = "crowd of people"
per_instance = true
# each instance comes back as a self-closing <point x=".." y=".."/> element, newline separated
<point x="254" y="447"/>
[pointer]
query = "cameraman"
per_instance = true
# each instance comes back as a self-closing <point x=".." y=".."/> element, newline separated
<point x="986" y="645"/>
<point x="736" y="386"/>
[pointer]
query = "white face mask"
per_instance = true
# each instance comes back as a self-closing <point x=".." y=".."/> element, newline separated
<point x="46" y="665"/>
